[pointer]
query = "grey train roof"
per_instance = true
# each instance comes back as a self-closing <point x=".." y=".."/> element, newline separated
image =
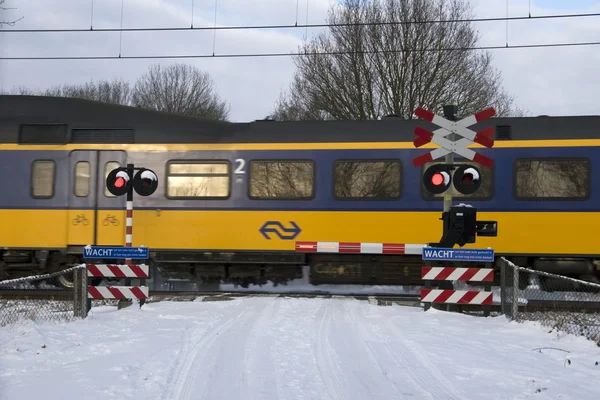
<point x="159" y="127"/>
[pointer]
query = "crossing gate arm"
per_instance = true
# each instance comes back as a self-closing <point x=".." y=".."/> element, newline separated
<point x="359" y="248"/>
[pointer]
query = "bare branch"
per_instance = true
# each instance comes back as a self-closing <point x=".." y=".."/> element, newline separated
<point x="3" y="10"/>
<point x="179" y="88"/>
<point x="116" y="91"/>
<point x="373" y="79"/>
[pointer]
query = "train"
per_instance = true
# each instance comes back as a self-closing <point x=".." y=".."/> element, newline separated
<point x="234" y="198"/>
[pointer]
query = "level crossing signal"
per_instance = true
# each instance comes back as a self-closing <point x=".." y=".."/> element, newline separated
<point x="466" y="178"/>
<point x="119" y="181"/>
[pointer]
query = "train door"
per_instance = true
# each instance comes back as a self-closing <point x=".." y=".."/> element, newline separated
<point x="95" y="216"/>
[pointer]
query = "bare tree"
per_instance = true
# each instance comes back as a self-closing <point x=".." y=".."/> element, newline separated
<point x="380" y="57"/>
<point x="179" y="88"/>
<point x="116" y="91"/>
<point x="3" y="9"/>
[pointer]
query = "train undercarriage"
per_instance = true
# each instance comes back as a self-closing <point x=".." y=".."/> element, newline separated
<point x="254" y="268"/>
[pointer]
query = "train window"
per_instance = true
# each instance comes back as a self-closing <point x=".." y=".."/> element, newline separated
<point x="109" y="166"/>
<point x="485" y="192"/>
<point x="82" y="179"/>
<point x="198" y="179"/>
<point x="42" y="179"/>
<point x="368" y="179"/>
<point x="281" y="179"/>
<point x="552" y="179"/>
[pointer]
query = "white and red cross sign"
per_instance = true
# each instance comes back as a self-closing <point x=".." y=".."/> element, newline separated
<point x="483" y="137"/>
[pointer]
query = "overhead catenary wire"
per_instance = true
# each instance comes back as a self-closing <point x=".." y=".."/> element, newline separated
<point x="306" y="26"/>
<point x="296" y="54"/>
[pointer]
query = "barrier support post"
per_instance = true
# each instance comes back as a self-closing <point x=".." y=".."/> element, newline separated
<point x="128" y="230"/>
<point x="487" y="287"/>
<point x="427" y="285"/>
<point x="80" y="309"/>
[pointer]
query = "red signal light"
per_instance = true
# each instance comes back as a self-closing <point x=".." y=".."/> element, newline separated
<point x="120" y="182"/>
<point x="437" y="179"/>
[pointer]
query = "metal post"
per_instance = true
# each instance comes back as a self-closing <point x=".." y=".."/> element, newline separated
<point x="80" y="309"/>
<point x="450" y="114"/>
<point x="129" y="217"/>
<point x="129" y="220"/>
<point x="515" y="284"/>
<point x="88" y="282"/>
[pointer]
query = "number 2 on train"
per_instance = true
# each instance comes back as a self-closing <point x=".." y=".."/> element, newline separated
<point x="239" y="169"/>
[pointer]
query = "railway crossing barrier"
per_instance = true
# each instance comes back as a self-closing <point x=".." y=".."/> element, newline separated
<point x="435" y="271"/>
<point x="359" y="248"/>
<point x="86" y="292"/>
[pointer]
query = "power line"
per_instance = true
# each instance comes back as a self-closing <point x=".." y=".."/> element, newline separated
<point x="296" y="26"/>
<point x="264" y="55"/>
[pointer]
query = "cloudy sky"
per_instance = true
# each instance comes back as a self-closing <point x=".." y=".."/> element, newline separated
<point x="553" y="81"/>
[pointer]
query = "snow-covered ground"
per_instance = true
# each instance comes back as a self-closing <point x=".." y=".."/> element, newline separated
<point x="268" y="348"/>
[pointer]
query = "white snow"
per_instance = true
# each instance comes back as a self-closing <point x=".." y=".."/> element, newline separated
<point x="284" y="348"/>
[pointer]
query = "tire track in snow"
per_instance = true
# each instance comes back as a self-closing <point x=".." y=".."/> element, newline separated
<point x="329" y="369"/>
<point x="385" y="359"/>
<point x="258" y="348"/>
<point x="355" y="370"/>
<point x="410" y="355"/>
<point x="191" y="355"/>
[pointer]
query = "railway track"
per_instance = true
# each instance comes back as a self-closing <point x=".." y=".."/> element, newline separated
<point x="51" y="294"/>
<point x="381" y="299"/>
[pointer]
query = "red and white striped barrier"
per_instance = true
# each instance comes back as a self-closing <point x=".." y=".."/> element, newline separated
<point x="448" y="296"/>
<point x="117" y="292"/>
<point x="457" y="274"/>
<point x="456" y="296"/>
<point x="118" y="271"/>
<point x="359" y="248"/>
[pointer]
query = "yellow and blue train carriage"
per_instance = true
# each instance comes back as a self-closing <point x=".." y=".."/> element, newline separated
<point x="233" y="198"/>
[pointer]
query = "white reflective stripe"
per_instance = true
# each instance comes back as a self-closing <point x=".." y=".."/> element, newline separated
<point x="433" y="273"/>
<point x="482" y="273"/>
<point x="437" y="153"/>
<point x="125" y="269"/>
<point x="466" y="153"/>
<point x="431" y="296"/>
<point x="130" y="205"/>
<point x="371" y="248"/>
<point x="443" y="122"/>
<point x="481" y="296"/>
<point x="456" y="296"/>
<point x="104" y="270"/>
<point x="129" y="222"/>
<point x="328" y="247"/>
<point x="128" y="238"/>
<point x="415" y="249"/>
<point x="441" y="132"/>
<point x="144" y="268"/>
<point x="458" y="272"/>
<point x="125" y="290"/>
<point x="467" y="121"/>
